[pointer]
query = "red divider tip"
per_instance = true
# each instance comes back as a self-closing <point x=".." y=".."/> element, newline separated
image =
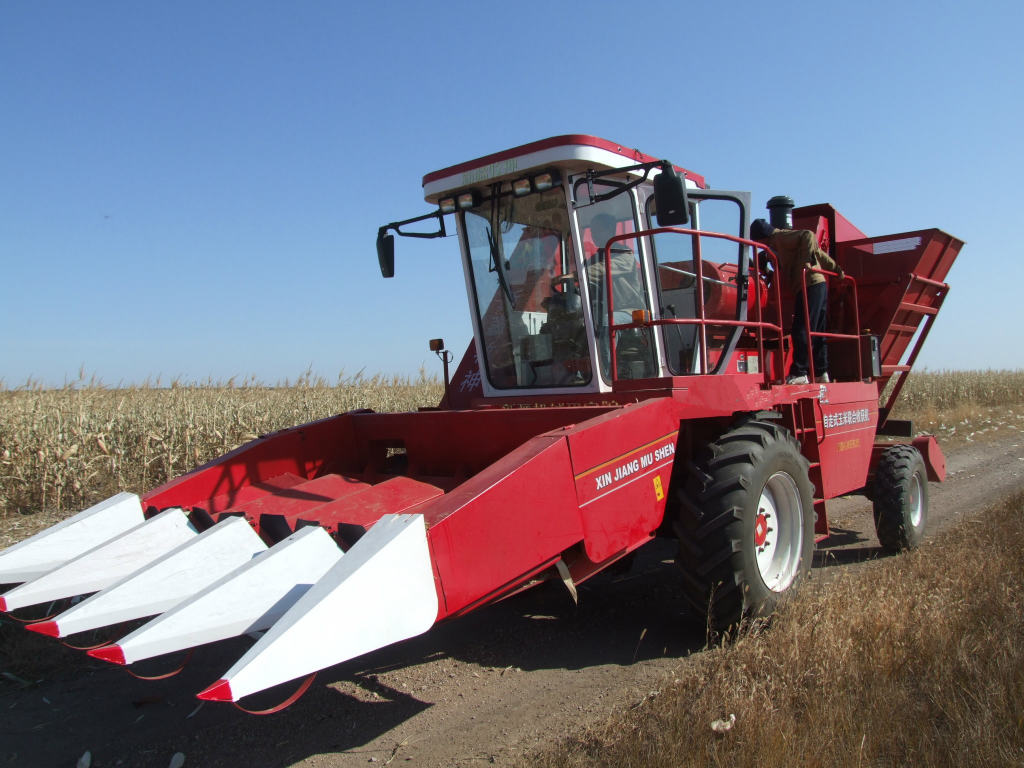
<point x="48" y="628"/>
<point x="3" y="604"/>
<point x="219" y="691"/>
<point x="112" y="653"/>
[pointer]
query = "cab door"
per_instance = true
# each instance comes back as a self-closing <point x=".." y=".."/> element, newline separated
<point x="629" y="287"/>
<point x="718" y="290"/>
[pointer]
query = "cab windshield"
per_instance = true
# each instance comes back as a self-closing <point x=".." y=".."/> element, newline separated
<point x="527" y="291"/>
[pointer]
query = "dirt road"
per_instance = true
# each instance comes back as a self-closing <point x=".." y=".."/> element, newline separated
<point x="479" y="690"/>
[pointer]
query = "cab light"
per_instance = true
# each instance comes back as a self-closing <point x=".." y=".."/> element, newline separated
<point x="468" y="200"/>
<point x="447" y="204"/>
<point x="521" y="187"/>
<point x="542" y="182"/>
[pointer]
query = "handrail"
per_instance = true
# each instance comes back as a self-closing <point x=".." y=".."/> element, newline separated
<point x="759" y="325"/>
<point x="693" y="275"/>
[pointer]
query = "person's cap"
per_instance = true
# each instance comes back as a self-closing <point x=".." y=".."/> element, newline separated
<point x="760" y="229"/>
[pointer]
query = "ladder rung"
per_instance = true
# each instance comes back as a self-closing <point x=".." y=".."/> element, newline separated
<point x="907" y="306"/>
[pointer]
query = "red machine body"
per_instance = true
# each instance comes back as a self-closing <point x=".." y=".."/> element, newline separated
<point x="627" y="380"/>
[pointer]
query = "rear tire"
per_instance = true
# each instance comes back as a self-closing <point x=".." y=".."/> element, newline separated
<point x="745" y="522"/>
<point x="900" y="498"/>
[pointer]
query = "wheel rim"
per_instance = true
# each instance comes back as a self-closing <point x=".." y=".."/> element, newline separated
<point x="778" y="532"/>
<point x="915" y="501"/>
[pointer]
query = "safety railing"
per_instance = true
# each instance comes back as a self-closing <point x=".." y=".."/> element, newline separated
<point x="759" y="326"/>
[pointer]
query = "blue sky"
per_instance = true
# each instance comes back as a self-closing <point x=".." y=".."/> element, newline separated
<point x="193" y="189"/>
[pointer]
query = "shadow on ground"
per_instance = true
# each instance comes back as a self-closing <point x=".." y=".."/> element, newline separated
<point x="80" y="704"/>
<point x="846" y="547"/>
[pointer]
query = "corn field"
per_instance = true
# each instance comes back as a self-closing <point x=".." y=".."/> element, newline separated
<point x="62" y="450"/>
<point x="945" y="391"/>
<point x="65" y="449"/>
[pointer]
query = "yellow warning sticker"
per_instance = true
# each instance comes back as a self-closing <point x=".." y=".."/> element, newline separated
<point x="658" y="491"/>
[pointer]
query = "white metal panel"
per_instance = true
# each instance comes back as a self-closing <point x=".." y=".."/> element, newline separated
<point x="49" y="549"/>
<point x="249" y="599"/>
<point x="110" y="561"/>
<point x="165" y="582"/>
<point x="562" y="155"/>
<point x="381" y="592"/>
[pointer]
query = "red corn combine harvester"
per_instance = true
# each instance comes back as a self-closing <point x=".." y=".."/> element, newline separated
<point x="626" y="381"/>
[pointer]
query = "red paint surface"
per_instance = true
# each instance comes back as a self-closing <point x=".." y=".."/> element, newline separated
<point x="508" y="486"/>
<point x="48" y="628"/>
<point x="760" y="530"/>
<point x="634" y="156"/>
<point x="219" y="691"/>
<point x="112" y="653"/>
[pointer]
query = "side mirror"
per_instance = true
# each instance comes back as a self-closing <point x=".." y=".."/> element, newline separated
<point x="670" y="197"/>
<point x="386" y="253"/>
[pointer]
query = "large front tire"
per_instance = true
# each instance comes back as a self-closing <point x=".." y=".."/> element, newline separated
<point x="745" y="523"/>
<point x="900" y="498"/>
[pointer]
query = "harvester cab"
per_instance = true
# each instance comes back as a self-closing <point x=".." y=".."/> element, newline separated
<point x="575" y="281"/>
<point x="617" y="297"/>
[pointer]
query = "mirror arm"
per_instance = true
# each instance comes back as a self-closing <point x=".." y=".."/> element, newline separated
<point x="397" y="226"/>
<point x="386" y="242"/>
<point x="592" y="175"/>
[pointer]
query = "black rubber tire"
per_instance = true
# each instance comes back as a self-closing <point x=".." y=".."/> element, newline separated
<point x="900" y="496"/>
<point x="717" y="510"/>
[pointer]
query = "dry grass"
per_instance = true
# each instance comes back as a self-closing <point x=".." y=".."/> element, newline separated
<point x="951" y="403"/>
<point x="945" y="391"/>
<point x="913" y="660"/>
<point x="963" y="406"/>
<point x="61" y="450"/>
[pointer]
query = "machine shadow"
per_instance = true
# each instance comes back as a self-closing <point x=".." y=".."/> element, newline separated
<point x="88" y="706"/>
<point x="846" y="547"/>
<point x="623" y="617"/>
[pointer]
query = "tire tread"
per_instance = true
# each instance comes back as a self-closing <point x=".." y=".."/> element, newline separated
<point x="709" y="520"/>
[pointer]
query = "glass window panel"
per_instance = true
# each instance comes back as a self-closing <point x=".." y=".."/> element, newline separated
<point x="676" y="256"/>
<point x="527" y="292"/>
<point x="634" y="352"/>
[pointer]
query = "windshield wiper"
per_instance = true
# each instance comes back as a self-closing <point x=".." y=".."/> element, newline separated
<point x="498" y="266"/>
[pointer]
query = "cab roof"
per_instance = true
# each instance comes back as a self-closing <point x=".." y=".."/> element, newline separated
<point x="570" y="153"/>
